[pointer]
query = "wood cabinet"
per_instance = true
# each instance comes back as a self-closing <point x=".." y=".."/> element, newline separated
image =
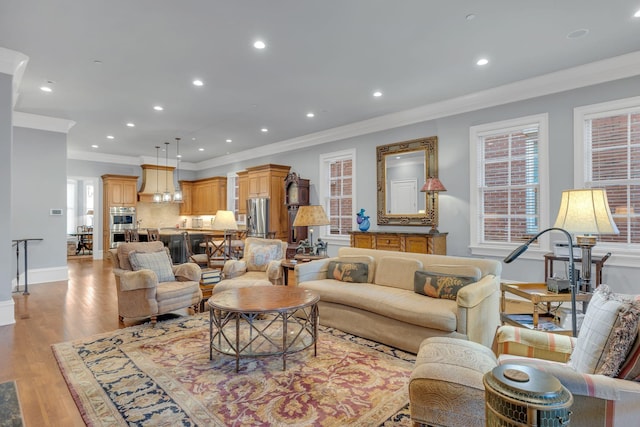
<point x="186" y="207"/>
<point x="424" y="243"/>
<point x="120" y="190"/>
<point x="117" y="190"/>
<point x="268" y="181"/>
<point x="208" y="195"/>
<point x="243" y="191"/>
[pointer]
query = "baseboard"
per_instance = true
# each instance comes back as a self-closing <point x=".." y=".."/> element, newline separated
<point x="42" y="275"/>
<point x="7" y="316"/>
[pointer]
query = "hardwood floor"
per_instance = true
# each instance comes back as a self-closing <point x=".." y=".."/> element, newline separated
<point x="55" y="312"/>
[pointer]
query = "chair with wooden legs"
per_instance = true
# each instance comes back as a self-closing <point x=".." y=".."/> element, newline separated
<point x="153" y="234"/>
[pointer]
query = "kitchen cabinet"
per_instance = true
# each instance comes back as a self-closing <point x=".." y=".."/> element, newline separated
<point x="187" y="198"/>
<point x="423" y="243"/>
<point x="268" y="181"/>
<point x="209" y="195"/>
<point x="243" y="191"/>
<point x="117" y="190"/>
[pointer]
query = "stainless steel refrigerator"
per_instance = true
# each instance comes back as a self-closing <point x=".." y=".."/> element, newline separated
<point x="258" y="217"/>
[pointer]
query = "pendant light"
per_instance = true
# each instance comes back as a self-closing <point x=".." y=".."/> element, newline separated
<point x="157" y="197"/>
<point x="166" y="196"/>
<point x="177" y="195"/>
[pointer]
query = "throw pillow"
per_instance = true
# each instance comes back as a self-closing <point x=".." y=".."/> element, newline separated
<point x="366" y="259"/>
<point x="606" y="334"/>
<point x="630" y="369"/>
<point x="158" y="262"/>
<point x="455" y="270"/>
<point x="355" y="272"/>
<point x="258" y="255"/>
<point x="125" y="249"/>
<point x="434" y="285"/>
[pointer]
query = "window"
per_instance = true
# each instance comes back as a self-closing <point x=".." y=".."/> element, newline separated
<point x="508" y="183"/>
<point x="337" y="181"/>
<point x="233" y="193"/>
<point x="608" y="156"/>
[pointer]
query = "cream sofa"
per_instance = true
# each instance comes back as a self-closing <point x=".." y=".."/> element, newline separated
<point x="386" y="308"/>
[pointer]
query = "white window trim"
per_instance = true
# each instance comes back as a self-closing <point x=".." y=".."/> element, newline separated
<point x="477" y="132"/>
<point x="620" y="256"/>
<point x="324" y="190"/>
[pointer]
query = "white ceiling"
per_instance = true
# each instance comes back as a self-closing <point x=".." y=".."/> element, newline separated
<point x="325" y="56"/>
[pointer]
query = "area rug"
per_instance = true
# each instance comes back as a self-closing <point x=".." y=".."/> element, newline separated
<point x="10" y="413"/>
<point x="162" y="376"/>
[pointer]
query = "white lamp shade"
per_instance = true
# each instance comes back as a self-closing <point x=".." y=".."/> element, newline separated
<point x="586" y="211"/>
<point x="224" y="220"/>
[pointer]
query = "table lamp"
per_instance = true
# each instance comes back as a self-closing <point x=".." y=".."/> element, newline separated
<point x="433" y="186"/>
<point x="586" y="212"/>
<point x="309" y="216"/>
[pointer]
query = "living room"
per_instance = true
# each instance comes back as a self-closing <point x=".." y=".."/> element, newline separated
<point x="610" y="76"/>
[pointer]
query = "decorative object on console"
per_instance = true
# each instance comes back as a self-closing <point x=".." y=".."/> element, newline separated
<point x="363" y="221"/>
<point x="309" y="216"/>
<point x="157" y="196"/>
<point x="586" y="211"/>
<point x="433" y="186"/>
<point x="177" y="195"/>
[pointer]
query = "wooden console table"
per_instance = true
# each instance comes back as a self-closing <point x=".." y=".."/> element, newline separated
<point x="423" y="243"/>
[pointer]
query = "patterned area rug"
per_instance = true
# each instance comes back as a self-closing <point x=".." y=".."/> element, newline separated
<point x="162" y="376"/>
<point x="10" y="413"/>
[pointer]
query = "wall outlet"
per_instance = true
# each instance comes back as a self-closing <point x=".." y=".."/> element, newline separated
<point x="57" y="212"/>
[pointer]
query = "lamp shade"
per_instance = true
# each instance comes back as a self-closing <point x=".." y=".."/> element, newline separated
<point x="432" y="185"/>
<point x="311" y="215"/>
<point x="585" y="211"/>
<point x="224" y="220"/>
<point x="89" y="211"/>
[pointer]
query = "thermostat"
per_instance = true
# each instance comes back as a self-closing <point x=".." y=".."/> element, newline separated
<point x="55" y="211"/>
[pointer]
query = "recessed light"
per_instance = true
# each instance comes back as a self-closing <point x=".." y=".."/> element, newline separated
<point x="158" y="107"/>
<point x="179" y="156"/>
<point x="110" y="137"/>
<point x="94" y="146"/>
<point x="131" y="125"/>
<point x="470" y="17"/>
<point x="310" y="115"/>
<point x="577" y="34"/>
<point x="637" y="14"/>
<point x="265" y="130"/>
<point x="482" y="61"/>
<point x="200" y="149"/>
<point x="377" y="94"/>
<point x="228" y="140"/>
<point x="46" y="89"/>
<point x="198" y="82"/>
<point x="259" y="44"/>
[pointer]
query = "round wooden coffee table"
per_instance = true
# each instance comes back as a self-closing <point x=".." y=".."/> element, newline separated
<point x="262" y="321"/>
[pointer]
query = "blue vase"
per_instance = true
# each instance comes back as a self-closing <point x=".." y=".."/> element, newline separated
<point x="364" y="225"/>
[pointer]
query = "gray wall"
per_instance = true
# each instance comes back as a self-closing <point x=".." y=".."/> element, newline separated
<point x="6" y="271"/>
<point x="453" y="148"/>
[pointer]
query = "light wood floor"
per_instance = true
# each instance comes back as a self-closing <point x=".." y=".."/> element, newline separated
<point x="55" y="312"/>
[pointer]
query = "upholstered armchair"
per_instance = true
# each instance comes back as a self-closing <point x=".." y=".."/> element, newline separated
<point x="601" y="367"/>
<point x="261" y="260"/>
<point x="147" y="283"/>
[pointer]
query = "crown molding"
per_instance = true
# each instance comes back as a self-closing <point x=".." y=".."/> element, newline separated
<point x="34" y="121"/>
<point x="89" y="156"/>
<point x="13" y="63"/>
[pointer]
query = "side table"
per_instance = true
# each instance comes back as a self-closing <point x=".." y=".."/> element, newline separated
<point x="538" y="295"/>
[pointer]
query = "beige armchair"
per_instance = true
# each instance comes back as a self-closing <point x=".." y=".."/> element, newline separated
<point x="261" y="261"/>
<point x="148" y="284"/>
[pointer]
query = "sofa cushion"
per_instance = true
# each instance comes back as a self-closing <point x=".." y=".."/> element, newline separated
<point x="258" y="254"/>
<point x="455" y="270"/>
<point x="125" y="248"/>
<point x="397" y="272"/>
<point x="357" y="272"/>
<point x="366" y="259"/>
<point x="399" y="304"/>
<point x="437" y="285"/>
<point x="158" y="262"/>
<point x="606" y="335"/>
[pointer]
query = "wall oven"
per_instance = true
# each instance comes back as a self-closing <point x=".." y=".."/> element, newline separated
<point x="120" y="219"/>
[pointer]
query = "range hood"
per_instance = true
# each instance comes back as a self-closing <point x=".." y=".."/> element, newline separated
<point x="153" y="181"/>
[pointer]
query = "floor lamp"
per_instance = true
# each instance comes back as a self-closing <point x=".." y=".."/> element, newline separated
<point x="581" y="211"/>
<point x="433" y="186"/>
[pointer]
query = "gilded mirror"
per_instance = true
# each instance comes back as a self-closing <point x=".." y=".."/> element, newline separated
<point x="403" y="168"/>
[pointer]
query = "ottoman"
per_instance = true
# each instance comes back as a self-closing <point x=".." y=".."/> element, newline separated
<point x="223" y="285"/>
<point x="445" y="388"/>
